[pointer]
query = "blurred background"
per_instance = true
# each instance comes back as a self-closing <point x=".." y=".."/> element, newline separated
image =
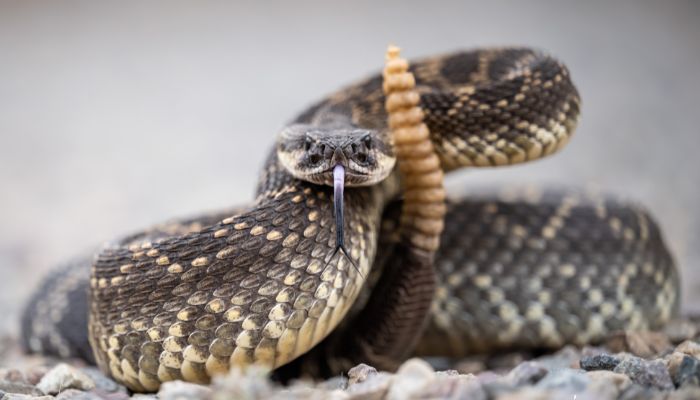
<point x="117" y="115"/>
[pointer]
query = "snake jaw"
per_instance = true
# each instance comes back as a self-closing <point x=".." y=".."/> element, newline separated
<point x="338" y="190"/>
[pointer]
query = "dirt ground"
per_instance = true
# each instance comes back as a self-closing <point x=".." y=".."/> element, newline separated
<point x="116" y="115"/>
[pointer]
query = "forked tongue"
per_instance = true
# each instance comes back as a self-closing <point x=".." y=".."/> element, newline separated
<point x="338" y="189"/>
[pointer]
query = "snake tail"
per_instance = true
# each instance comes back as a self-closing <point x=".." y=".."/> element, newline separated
<point x="399" y="306"/>
<point x="422" y="217"/>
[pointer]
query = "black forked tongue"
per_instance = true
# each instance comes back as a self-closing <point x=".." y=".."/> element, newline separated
<point x="338" y="189"/>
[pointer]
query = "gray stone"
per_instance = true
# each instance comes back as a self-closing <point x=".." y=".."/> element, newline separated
<point x="488" y="377"/>
<point x="247" y="383"/>
<point x="536" y="393"/>
<point x="566" y="379"/>
<point x="688" y="372"/>
<point x="360" y="373"/>
<point x="337" y="382"/>
<point x="20" y="388"/>
<point x="17" y="396"/>
<point x="567" y="357"/>
<point x="600" y="362"/>
<point x="606" y="384"/>
<point x="527" y="373"/>
<point x="649" y="374"/>
<point x="141" y="396"/>
<point x="497" y="388"/>
<point x="690" y="348"/>
<point x="410" y="378"/>
<point x="111" y="396"/>
<point x="374" y="387"/>
<point x="449" y="373"/>
<point x="62" y="377"/>
<point x="637" y="392"/>
<point x="12" y="375"/>
<point x="102" y="382"/>
<point x="74" y="394"/>
<point x="618" y="380"/>
<point x="673" y="364"/>
<point x="452" y="386"/>
<point x="34" y="374"/>
<point x="179" y="390"/>
<point x="685" y="393"/>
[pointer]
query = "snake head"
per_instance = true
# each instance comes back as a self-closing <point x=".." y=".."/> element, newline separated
<point x="310" y="153"/>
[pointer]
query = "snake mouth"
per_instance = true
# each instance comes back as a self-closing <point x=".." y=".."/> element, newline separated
<point x="351" y="177"/>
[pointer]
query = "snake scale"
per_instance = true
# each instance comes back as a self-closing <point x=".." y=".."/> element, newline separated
<point x="531" y="269"/>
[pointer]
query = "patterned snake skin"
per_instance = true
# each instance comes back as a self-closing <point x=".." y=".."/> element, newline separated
<point x="192" y="299"/>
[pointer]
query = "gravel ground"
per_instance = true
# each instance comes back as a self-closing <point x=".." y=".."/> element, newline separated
<point x="118" y="115"/>
<point x="628" y="365"/>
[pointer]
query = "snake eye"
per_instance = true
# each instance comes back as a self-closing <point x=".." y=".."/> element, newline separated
<point x="307" y="143"/>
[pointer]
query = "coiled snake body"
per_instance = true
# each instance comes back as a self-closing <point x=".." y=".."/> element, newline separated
<point x="189" y="300"/>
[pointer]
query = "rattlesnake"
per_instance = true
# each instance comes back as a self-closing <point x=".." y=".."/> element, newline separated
<point x="188" y="300"/>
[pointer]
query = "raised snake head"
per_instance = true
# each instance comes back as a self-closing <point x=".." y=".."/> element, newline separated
<point x="310" y="153"/>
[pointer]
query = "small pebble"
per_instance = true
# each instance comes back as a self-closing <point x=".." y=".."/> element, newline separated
<point x="649" y="374"/>
<point x="452" y="385"/>
<point x="607" y="384"/>
<point x="527" y="373"/>
<point x="35" y="374"/>
<point x="249" y="383"/>
<point x="374" y="387"/>
<point x="685" y="393"/>
<point x="565" y="379"/>
<point x="637" y="392"/>
<point x="20" y="388"/>
<point x="600" y="362"/>
<point x="337" y="382"/>
<point x="179" y="390"/>
<point x="536" y="393"/>
<point x="12" y="375"/>
<point x="411" y="377"/>
<point x="62" y="377"/>
<point x="673" y="363"/>
<point x="15" y="396"/>
<point x="688" y="372"/>
<point x="690" y="348"/>
<point x="103" y="384"/>
<point x="74" y="394"/>
<point x="360" y="373"/>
